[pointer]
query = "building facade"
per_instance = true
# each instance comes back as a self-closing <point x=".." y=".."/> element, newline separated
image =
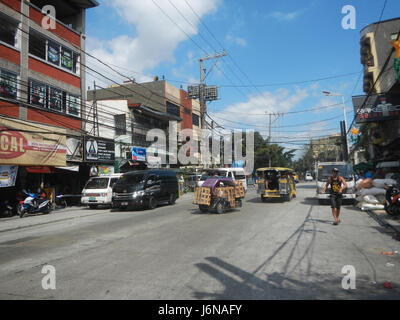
<point x="42" y="84"/>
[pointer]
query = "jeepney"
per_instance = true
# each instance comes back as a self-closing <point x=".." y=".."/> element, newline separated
<point x="276" y="182"/>
<point x="220" y="194"/>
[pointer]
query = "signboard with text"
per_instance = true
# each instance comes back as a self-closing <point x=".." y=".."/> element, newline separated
<point x="376" y="108"/>
<point x="99" y="150"/>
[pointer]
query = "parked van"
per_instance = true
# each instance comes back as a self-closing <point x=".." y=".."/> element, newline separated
<point x="234" y="173"/>
<point x="98" y="190"/>
<point x="145" y="189"/>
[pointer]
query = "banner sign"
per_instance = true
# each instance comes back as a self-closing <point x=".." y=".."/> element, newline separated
<point x="26" y="144"/>
<point x="8" y="175"/>
<point x="105" y="169"/>
<point x="99" y="150"/>
<point x="138" y="154"/>
<point x="376" y="108"/>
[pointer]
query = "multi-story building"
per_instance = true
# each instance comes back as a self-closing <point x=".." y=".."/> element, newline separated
<point x="379" y="109"/>
<point x="42" y="84"/>
<point x="328" y="149"/>
<point x="126" y="112"/>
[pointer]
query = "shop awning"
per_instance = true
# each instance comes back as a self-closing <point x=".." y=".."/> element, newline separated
<point x="154" y="113"/>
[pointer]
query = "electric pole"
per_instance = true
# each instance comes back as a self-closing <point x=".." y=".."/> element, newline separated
<point x="202" y="100"/>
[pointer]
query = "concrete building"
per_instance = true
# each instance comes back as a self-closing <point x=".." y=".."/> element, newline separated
<point x="42" y="82"/>
<point x="327" y="149"/>
<point x="141" y="107"/>
<point x="380" y="111"/>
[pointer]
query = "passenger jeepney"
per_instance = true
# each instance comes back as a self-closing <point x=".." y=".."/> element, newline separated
<point x="276" y="182"/>
<point x="220" y="194"/>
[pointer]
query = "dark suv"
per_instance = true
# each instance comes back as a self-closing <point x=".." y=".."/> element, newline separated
<point x="145" y="189"/>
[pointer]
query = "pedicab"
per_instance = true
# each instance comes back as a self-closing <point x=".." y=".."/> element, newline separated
<point x="220" y="194"/>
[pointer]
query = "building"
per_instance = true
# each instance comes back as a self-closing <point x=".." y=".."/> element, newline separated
<point x="379" y="109"/>
<point x="126" y="113"/>
<point x="42" y="84"/>
<point x="327" y="149"/>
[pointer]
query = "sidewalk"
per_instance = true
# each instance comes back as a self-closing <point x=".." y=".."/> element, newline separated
<point x="387" y="220"/>
<point x="15" y="222"/>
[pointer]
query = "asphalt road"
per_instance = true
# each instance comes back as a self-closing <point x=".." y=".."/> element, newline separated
<point x="285" y="250"/>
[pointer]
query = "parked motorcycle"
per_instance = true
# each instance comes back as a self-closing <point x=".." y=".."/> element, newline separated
<point x="392" y="203"/>
<point x="6" y="209"/>
<point x="34" y="204"/>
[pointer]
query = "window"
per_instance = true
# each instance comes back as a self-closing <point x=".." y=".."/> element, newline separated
<point x="8" y="84"/>
<point x="195" y="119"/>
<point x="8" y="30"/>
<point x="187" y="111"/>
<point x="173" y="109"/>
<point x="66" y="58"/>
<point x="37" y="93"/>
<point x="120" y="124"/>
<point x="37" y="45"/>
<point x="51" y="51"/>
<point x="55" y="99"/>
<point x="73" y="105"/>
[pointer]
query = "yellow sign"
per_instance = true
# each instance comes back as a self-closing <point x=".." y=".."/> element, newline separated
<point x="29" y="144"/>
<point x="354" y="131"/>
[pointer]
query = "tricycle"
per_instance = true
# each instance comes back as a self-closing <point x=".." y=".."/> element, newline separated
<point x="220" y="194"/>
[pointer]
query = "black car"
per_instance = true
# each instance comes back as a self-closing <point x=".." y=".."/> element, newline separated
<point x="145" y="189"/>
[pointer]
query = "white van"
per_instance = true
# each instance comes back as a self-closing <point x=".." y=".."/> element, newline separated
<point x="235" y="174"/>
<point x="98" y="190"/>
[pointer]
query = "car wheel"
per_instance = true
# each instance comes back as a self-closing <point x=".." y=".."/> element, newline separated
<point x="203" y="208"/>
<point x="172" y="199"/>
<point x="152" y="203"/>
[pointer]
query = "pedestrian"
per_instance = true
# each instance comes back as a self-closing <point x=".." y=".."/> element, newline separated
<point x="337" y="185"/>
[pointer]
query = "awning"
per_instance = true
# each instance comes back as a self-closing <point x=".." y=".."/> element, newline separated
<point x="69" y="168"/>
<point x="157" y="114"/>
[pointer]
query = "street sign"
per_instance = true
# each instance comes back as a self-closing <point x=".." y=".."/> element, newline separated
<point x="210" y="93"/>
<point x="194" y="92"/>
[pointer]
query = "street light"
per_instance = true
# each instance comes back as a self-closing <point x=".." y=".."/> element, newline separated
<point x="328" y="93"/>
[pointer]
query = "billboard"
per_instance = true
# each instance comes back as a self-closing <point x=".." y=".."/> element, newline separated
<point x="138" y="154"/>
<point x="8" y="175"/>
<point x="99" y="150"/>
<point x="375" y="108"/>
<point x="22" y="143"/>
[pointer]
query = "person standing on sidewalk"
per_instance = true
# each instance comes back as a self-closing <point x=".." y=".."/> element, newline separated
<point x="337" y="185"/>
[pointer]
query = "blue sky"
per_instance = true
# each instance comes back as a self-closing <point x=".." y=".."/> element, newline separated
<point x="272" y="42"/>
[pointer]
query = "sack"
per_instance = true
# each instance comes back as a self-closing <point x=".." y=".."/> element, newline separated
<point x="372" y="191"/>
<point x="365" y="184"/>
<point x="370" y="206"/>
<point x="380" y="183"/>
<point x="370" y="199"/>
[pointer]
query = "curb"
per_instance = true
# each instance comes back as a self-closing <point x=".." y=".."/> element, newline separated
<point x="383" y="221"/>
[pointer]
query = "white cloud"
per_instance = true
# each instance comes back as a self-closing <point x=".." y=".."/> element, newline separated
<point x="236" y="40"/>
<point x="156" y="36"/>
<point x="284" y="16"/>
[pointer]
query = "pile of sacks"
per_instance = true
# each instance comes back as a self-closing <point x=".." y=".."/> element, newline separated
<point x="371" y="193"/>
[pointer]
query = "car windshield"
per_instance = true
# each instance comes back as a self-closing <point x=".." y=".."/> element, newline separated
<point x="325" y="171"/>
<point x="240" y="176"/>
<point x="204" y="178"/>
<point x="97" y="183"/>
<point x="131" y="179"/>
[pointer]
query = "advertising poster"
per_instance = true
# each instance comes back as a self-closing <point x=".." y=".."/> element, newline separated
<point x="28" y="148"/>
<point x="138" y="154"/>
<point x="66" y="58"/>
<point x="8" y="175"/>
<point x="99" y="150"/>
<point x="38" y="93"/>
<point x="53" y="53"/>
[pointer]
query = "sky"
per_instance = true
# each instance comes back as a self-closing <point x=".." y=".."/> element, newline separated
<point x="277" y="52"/>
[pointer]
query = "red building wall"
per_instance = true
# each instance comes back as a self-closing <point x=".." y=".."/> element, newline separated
<point x="9" y="54"/>
<point x="187" y="122"/>
<point x="53" y="119"/>
<point x="9" y="109"/>
<point x="54" y="73"/>
<point x="60" y="30"/>
<point x="15" y="4"/>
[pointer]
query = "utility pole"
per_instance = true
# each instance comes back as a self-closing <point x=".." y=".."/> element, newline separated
<point x="95" y="113"/>
<point x="202" y="101"/>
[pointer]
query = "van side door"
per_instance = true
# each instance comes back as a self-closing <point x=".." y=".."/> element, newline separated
<point x="153" y="186"/>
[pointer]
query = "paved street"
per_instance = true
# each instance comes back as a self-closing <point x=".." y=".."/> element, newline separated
<point x="262" y="251"/>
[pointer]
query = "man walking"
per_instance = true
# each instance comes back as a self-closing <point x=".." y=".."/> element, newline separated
<point x="337" y="185"/>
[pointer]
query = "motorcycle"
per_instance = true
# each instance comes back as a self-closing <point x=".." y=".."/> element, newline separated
<point x="6" y="209"/>
<point x="392" y="202"/>
<point x="33" y="204"/>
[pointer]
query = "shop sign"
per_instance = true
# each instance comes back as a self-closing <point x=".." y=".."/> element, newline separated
<point x="106" y="169"/>
<point x="31" y="145"/>
<point x="99" y="150"/>
<point x="8" y="175"/>
<point x="376" y="108"/>
<point x="138" y="154"/>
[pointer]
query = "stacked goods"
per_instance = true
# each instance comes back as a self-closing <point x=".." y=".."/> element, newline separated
<point x="239" y="189"/>
<point x="202" y="195"/>
<point x="228" y="193"/>
<point x="372" y="193"/>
